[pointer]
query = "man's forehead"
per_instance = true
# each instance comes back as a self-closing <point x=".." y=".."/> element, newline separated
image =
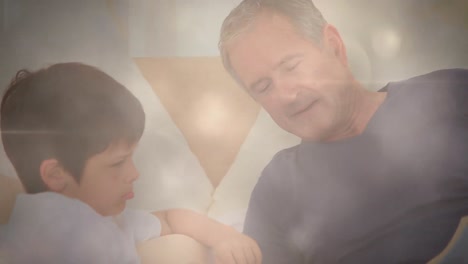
<point x="249" y="59"/>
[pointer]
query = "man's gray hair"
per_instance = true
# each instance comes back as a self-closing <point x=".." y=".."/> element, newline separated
<point x="302" y="13"/>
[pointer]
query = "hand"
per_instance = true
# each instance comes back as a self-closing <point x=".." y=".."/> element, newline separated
<point x="237" y="249"/>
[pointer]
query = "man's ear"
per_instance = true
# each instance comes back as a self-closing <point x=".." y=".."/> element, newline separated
<point x="53" y="175"/>
<point x="334" y="44"/>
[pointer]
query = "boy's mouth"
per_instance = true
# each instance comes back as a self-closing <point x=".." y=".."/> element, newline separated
<point x="128" y="195"/>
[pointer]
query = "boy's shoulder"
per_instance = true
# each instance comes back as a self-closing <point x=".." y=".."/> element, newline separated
<point x="46" y="206"/>
<point x="51" y="215"/>
<point x="67" y="226"/>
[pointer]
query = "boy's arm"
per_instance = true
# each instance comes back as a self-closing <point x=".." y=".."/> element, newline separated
<point x="228" y="245"/>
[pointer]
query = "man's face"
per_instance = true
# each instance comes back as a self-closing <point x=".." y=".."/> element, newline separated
<point x="303" y="86"/>
<point x="107" y="180"/>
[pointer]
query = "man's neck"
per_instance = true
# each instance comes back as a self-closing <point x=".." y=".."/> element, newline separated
<point x="365" y="105"/>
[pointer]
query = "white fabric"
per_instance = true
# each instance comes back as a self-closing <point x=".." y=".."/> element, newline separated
<point x="51" y="228"/>
<point x="232" y="196"/>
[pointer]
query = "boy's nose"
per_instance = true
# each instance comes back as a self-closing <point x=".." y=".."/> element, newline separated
<point x="133" y="174"/>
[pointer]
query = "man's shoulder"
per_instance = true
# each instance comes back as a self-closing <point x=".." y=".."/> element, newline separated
<point x="280" y="168"/>
<point x="455" y="78"/>
<point x="446" y="89"/>
<point x="446" y="74"/>
<point x="283" y="159"/>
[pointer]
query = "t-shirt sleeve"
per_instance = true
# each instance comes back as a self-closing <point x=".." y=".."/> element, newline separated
<point x="446" y="89"/>
<point x="455" y="83"/>
<point x="462" y="93"/>
<point x="141" y="225"/>
<point x="270" y="211"/>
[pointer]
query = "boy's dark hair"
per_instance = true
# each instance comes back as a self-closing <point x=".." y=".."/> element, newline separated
<point x="68" y="112"/>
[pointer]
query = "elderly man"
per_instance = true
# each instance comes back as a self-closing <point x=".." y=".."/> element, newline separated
<point x="380" y="177"/>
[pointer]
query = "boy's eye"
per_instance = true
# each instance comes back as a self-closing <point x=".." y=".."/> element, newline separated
<point x="118" y="163"/>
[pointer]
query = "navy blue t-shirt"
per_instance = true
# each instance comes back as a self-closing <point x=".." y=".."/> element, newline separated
<point x="393" y="194"/>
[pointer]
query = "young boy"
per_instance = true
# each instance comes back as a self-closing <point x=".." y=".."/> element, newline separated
<point x="70" y="131"/>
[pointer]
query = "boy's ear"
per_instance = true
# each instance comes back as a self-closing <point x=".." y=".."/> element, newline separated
<point x="53" y="175"/>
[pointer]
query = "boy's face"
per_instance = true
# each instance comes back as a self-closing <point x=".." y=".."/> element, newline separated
<point x="107" y="180"/>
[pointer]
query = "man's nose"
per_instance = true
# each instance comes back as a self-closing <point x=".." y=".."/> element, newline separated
<point x="288" y="90"/>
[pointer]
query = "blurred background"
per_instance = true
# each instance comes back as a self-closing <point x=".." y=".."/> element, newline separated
<point x="206" y="141"/>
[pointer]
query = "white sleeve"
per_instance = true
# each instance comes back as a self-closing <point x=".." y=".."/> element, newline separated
<point x="140" y="225"/>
